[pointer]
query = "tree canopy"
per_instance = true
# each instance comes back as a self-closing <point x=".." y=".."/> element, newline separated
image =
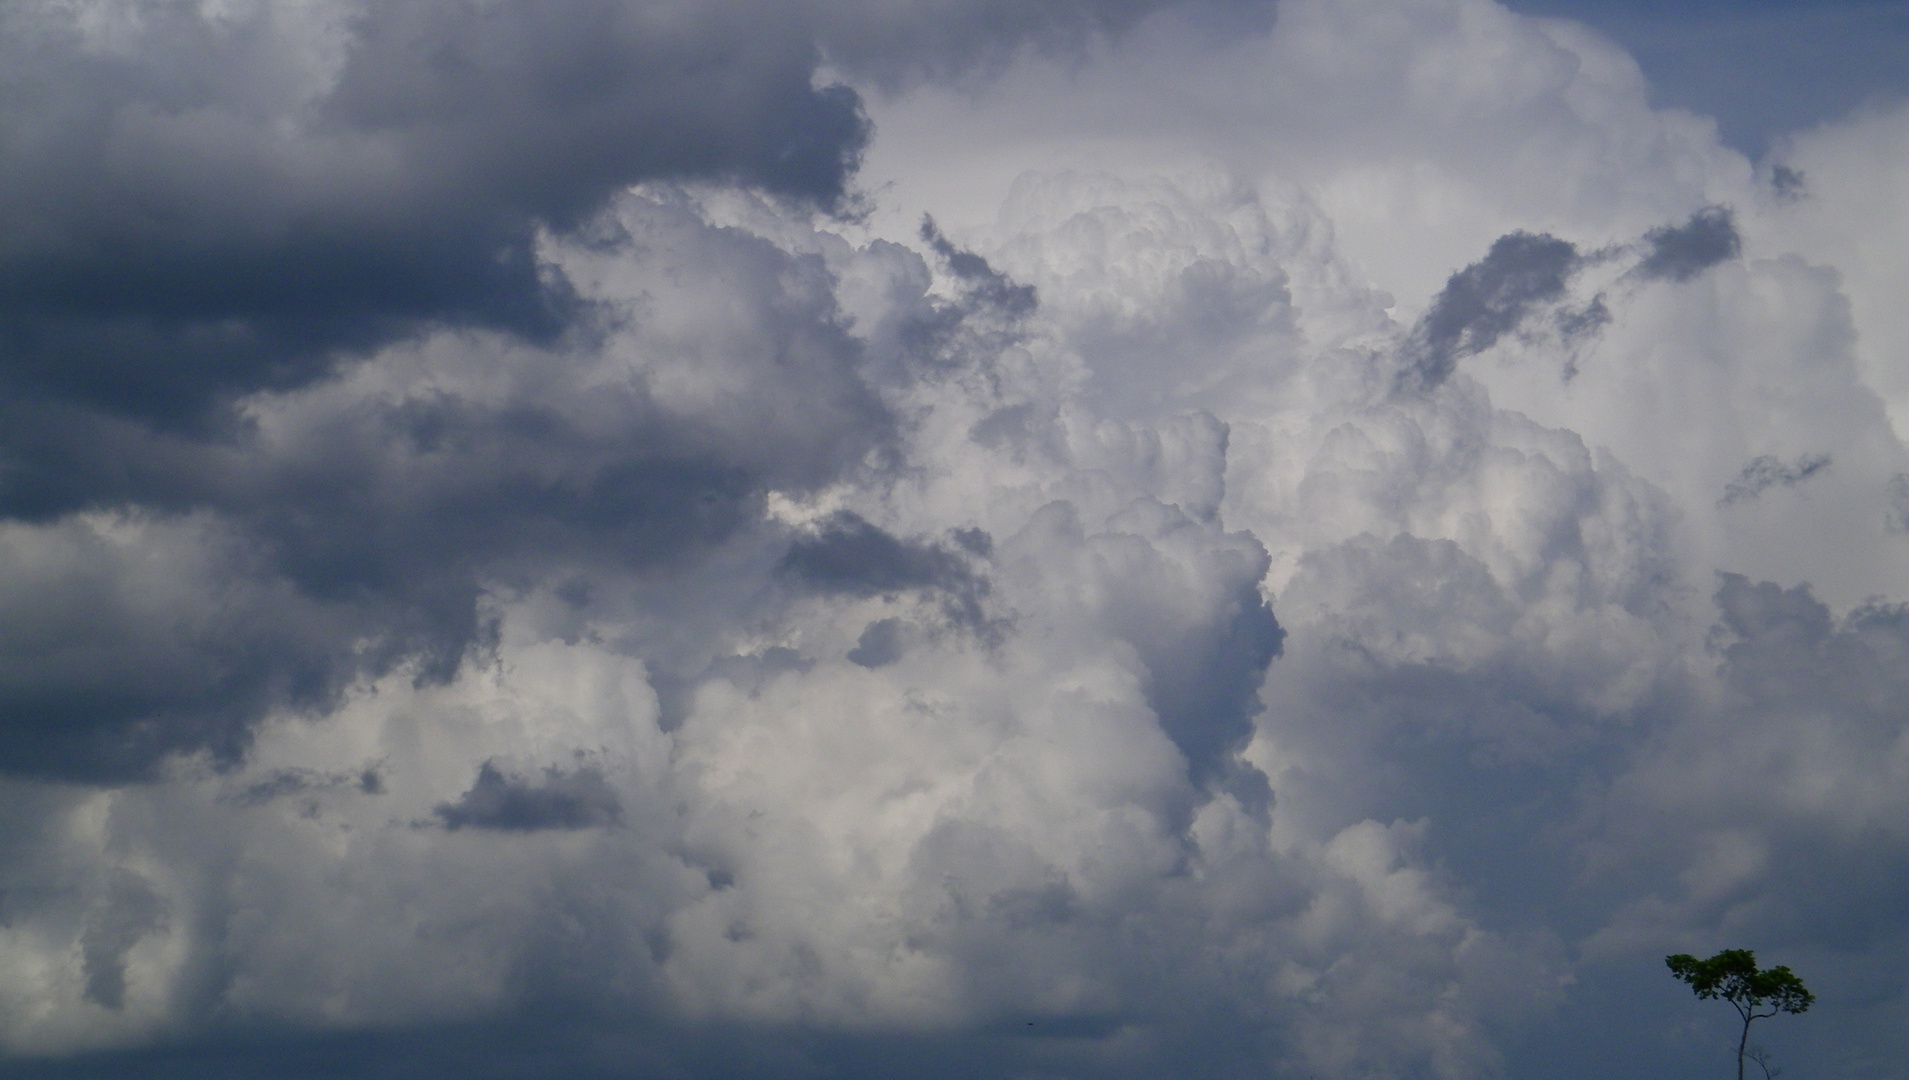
<point x="1733" y="975"/>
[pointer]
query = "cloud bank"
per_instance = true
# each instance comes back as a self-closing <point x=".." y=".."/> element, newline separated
<point x="944" y="539"/>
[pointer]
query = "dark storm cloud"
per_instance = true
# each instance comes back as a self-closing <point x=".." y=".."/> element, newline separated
<point x="1525" y="273"/>
<point x="580" y="799"/>
<point x="114" y="655"/>
<point x="197" y="206"/>
<point x="1800" y="677"/>
<point x="1485" y="301"/>
<point x="1204" y="681"/>
<point x="363" y="551"/>
<point x="987" y="285"/>
<point x="846" y="554"/>
<point x="1681" y="252"/>
<point x="879" y="645"/>
<point x="182" y="220"/>
<point x="940" y="862"/>
<point x="1786" y="651"/>
<point x="356" y="531"/>
<point x="128" y="912"/>
<point x="212" y="204"/>
<point x="1768" y="471"/>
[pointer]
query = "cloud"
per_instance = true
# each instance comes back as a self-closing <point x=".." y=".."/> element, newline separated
<point x="1681" y="252"/>
<point x="774" y="540"/>
<point x="352" y="526"/>
<point x="133" y="639"/>
<point x="880" y="644"/>
<point x="564" y="800"/>
<point x="847" y="554"/>
<point x="347" y="177"/>
<point x="989" y="285"/>
<point x="1766" y="471"/>
<point x="1487" y="300"/>
<point x="1525" y="274"/>
<point x="131" y="911"/>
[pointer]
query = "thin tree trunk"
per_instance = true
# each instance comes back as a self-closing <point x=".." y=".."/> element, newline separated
<point x="1741" y="1043"/>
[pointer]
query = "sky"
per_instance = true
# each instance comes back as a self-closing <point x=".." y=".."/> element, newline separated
<point x="950" y="538"/>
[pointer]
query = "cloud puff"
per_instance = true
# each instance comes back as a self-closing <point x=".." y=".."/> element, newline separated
<point x="1766" y="472"/>
<point x="1681" y="252"/>
<point x="1488" y="299"/>
<point x="564" y="800"/>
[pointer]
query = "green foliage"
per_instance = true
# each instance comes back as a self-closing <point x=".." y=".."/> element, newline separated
<point x="1733" y="976"/>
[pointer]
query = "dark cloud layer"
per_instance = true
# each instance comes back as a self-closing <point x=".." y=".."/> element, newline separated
<point x="198" y="208"/>
<point x="582" y="1043"/>
<point x="1788" y="654"/>
<point x="350" y="534"/>
<point x="185" y="222"/>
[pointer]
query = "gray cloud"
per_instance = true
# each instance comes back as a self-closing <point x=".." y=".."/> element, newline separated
<point x="899" y="45"/>
<point x="1485" y="301"/>
<point x="289" y="782"/>
<point x="1204" y="678"/>
<point x="1896" y="510"/>
<point x="217" y="205"/>
<point x="879" y="645"/>
<point x="1762" y="844"/>
<point x="1767" y="471"/>
<point x="986" y="284"/>
<point x="211" y="214"/>
<point x="357" y="533"/>
<point x="576" y="799"/>
<point x="1527" y="274"/>
<point x="128" y="912"/>
<point x="1787" y="651"/>
<point x="629" y="620"/>
<point x="1681" y="252"/>
<point x="175" y="638"/>
<point x="197" y="204"/>
<point x="846" y="554"/>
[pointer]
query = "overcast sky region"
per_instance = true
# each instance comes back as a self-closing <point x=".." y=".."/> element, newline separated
<point x="1096" y="539"/>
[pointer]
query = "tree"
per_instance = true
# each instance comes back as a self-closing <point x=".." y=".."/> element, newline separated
<point x="1733" y="976"/>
